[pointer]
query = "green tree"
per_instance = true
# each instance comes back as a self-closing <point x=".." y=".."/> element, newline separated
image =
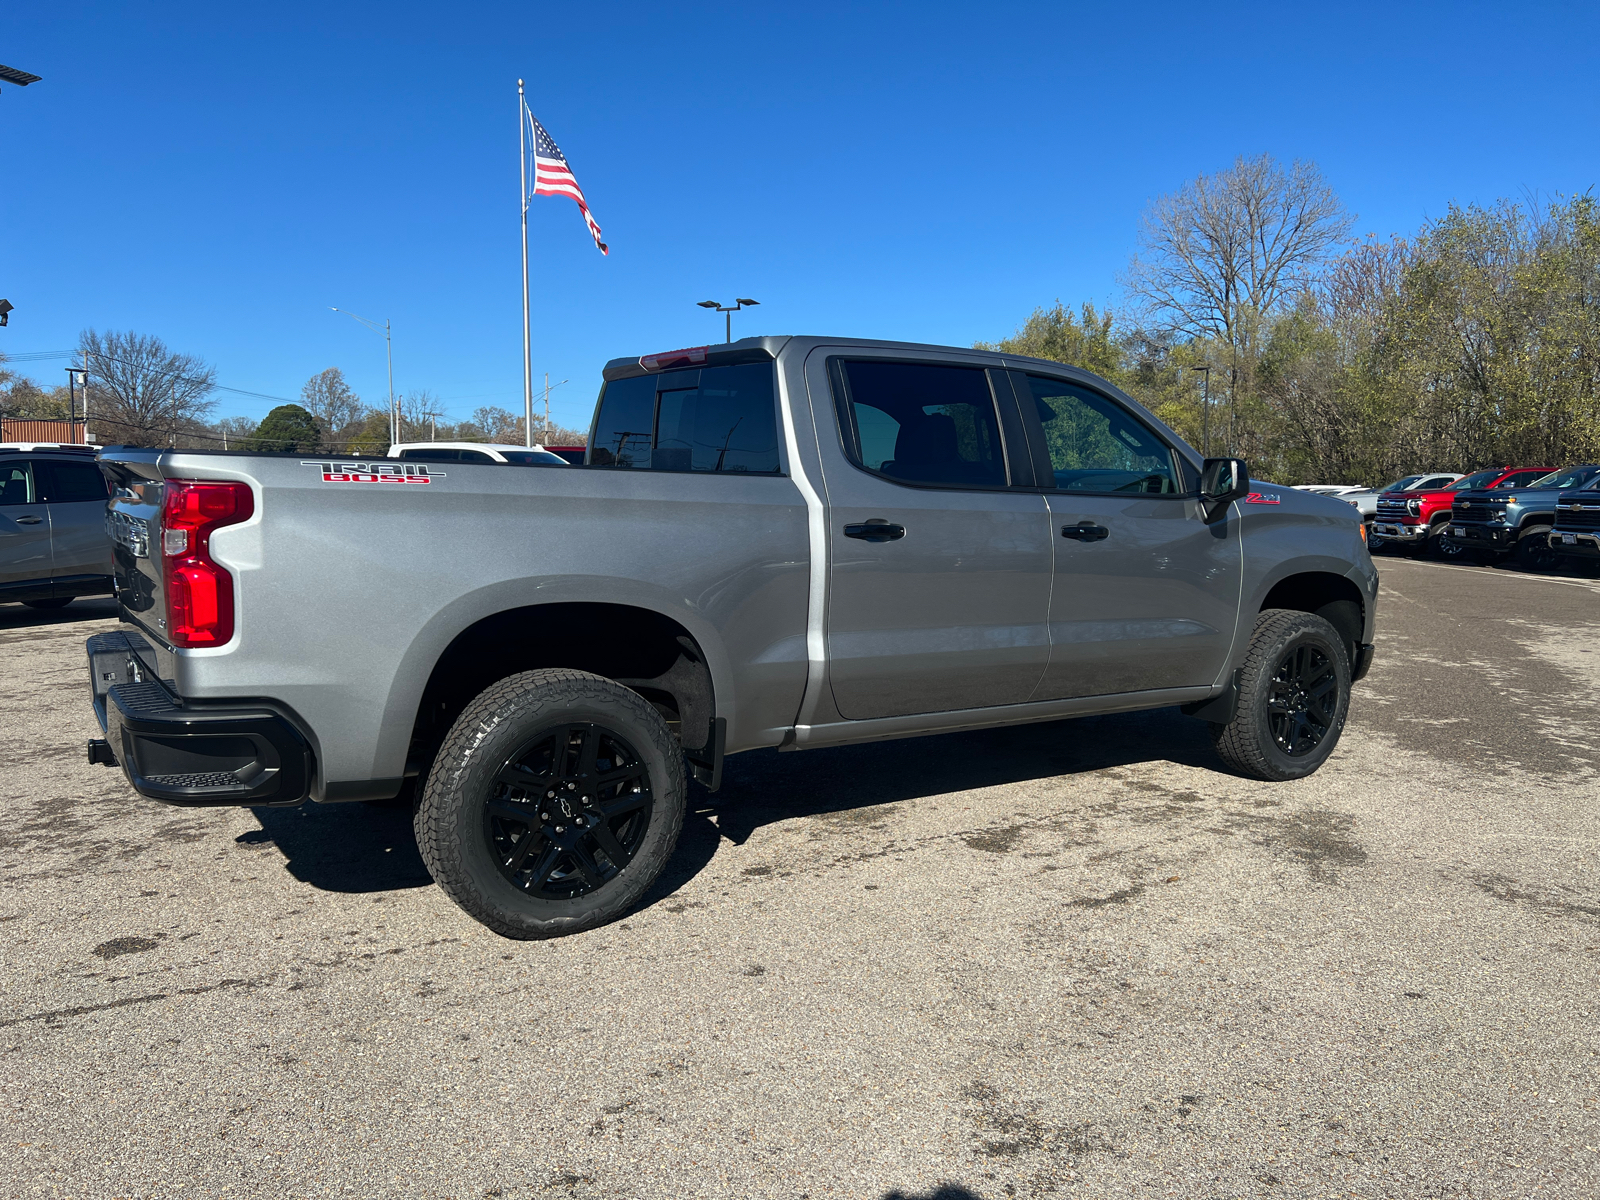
<point x="1088" y="340"/>
<point x="288" y="429"/>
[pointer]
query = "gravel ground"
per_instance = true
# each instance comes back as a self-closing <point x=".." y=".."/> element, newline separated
<point x="1071" y="960"/>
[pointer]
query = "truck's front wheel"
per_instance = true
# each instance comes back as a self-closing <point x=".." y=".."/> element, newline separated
<point x="553" y="804"/>
<point x="1294" y="696"/>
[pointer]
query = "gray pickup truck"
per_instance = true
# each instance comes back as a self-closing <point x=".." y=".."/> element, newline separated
<point x="784" y="542"/>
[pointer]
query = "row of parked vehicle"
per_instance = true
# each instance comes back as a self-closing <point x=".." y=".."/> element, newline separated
<point x="1541" y="516"/>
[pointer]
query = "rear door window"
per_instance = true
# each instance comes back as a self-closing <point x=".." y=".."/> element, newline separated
<point x="1096" y="445"/>
<point x="715" y="420"/>
<point x="72" y="483"/>
<point x="927" y="423"/>
<point x="16" y="483"/>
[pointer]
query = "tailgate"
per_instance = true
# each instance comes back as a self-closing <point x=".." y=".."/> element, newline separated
<point x="133" y="522"/>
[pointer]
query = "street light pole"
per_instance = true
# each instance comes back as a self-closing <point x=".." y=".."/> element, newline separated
<point x="394" y="413"/>
<point x="737" y="305"/>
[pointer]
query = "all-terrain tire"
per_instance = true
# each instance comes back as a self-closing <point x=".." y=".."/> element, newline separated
<point x="469" y="846"/>
<point x="1284" y="643"/>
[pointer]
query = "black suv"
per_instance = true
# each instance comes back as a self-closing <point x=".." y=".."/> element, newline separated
<point x="53" y="543"/>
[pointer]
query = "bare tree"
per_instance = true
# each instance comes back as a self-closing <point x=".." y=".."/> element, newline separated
<point x="333" y="403"/>
<point x="1226" y="250"/>
<point x="141" y="392"/>
<point x="1362" y="281"/>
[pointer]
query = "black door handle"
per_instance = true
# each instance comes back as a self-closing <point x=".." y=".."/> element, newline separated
<point x="29" y="520"/>
<point x="1085" y="531"/>
<point x="875" y="530"/>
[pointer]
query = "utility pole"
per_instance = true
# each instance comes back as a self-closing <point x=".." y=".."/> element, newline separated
<point x="548" y="388"/>
<point x="388" y="338"/>
<point x="86" y="438"/>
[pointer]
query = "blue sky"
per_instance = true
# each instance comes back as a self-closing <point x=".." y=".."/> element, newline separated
<point x="220" y="175"/>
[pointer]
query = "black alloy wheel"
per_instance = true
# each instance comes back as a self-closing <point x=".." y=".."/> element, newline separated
<point x="553" y="803"/>
<point x="1302" y="700"/>
<point x="1293" y="698"/>
<point x="568" y="811"/>
<point x="1533" y="550"/>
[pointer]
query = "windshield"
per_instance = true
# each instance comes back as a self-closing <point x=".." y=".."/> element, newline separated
<point x="529" y="457"/>
<point x="1481" y="480"/>
<point x="1401" y="484"/>
<point x="1567" y="480"/>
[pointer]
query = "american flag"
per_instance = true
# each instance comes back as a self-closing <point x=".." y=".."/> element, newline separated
<point x="553" y="177"/>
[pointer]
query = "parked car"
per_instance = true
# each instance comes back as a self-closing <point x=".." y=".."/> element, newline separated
<point x="476" y="452"/>
<point x="53" y="543"/>
<point x="1365" y="501"/>
<point x="1575" y="536"/>
<point x="1493" y="523"/>
<point x="1328" y="489"/>
<point x="1419" y="516"/>
<point x="783" y="542"/>
<point x="573" y="454"/>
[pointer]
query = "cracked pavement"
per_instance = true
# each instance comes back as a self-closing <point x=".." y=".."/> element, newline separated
<point x="1075" y="959"/>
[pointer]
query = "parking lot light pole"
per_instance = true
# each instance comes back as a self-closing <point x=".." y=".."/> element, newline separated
<point x="394" y="413"/>
<point x="737" y="305"/>
<point x="1205" y="413"/>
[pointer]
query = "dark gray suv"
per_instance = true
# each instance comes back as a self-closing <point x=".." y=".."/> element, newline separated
<point x="53" y="543"/>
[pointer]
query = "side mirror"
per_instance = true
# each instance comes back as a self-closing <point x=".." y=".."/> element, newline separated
<point x="1222" y="481"/>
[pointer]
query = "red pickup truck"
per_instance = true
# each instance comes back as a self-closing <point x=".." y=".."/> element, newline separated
<point x="1419" y="519"/>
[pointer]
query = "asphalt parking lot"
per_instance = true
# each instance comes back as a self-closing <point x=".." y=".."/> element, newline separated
<point x="1074" y="959"/>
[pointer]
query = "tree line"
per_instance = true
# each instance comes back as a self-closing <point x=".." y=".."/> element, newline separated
<point x="1473" y="343"/>
<point x="143" y="393"/>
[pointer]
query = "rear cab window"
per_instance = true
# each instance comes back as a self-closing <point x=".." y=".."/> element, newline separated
<point x="932" y="424"/>
<point x="711" y="420"/>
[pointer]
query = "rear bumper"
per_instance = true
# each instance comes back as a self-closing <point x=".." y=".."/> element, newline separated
<point x="247" y="752"/>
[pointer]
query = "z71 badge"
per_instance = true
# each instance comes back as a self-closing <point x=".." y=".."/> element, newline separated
<point x="1263" y="498"/>
<point x="374" y="472"/>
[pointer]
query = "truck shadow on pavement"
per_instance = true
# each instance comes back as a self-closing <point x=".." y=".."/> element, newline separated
<point x="371" y="848"/>
<point x="344" y="847"/>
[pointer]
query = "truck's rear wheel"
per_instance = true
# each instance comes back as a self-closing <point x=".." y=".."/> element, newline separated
<point x="553" y="804"/>
<point x="1294" y="696"/>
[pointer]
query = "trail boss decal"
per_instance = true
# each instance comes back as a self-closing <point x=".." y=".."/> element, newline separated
<point x="1263" y="498"/>
<point x="374" y="472"/>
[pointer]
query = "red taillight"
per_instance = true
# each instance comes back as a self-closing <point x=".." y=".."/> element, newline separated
<point x="199" y="592"/>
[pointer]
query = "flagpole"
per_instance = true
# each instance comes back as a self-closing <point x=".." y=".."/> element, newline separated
<point x="527" y="328"/>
